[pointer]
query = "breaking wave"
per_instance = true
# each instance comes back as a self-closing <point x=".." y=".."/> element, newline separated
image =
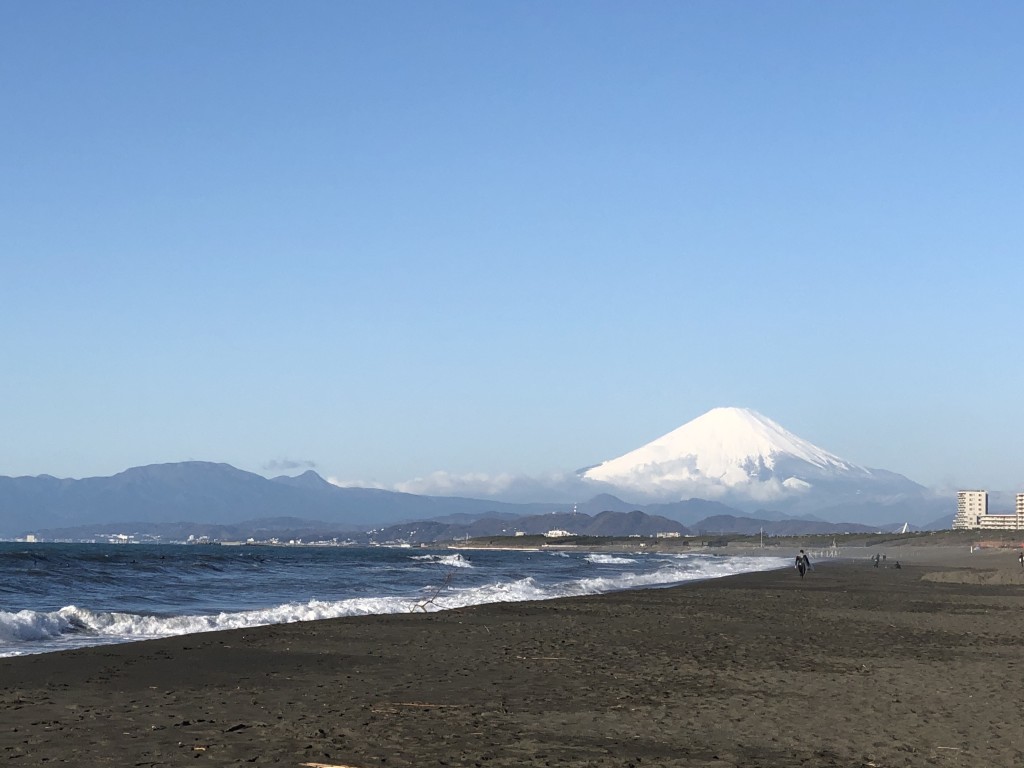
<point x="452" y="561"/>
<point x="30" y="631"/>
<point x="609" y="559"/>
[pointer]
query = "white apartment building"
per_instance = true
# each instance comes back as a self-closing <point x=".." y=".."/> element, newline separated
<point x="972" y="513"/>
<point x="970" y="507"/>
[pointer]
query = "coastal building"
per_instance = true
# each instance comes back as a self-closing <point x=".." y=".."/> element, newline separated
<point x="972" y="513"/>
<point x="970" y="507"/>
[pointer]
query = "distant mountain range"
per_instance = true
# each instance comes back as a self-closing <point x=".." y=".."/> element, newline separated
<point x="206" y="495"/>
<point x="217" y="493"/>
<point x="729" y="464"/>
<point x="218" y="500"/>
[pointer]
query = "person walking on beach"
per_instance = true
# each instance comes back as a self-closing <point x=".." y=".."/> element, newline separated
<point x="803" y="563"/>
<point x="1020" y="558"/>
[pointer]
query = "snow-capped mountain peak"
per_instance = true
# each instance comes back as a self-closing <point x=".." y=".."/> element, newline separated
<point x="723" y="450"/>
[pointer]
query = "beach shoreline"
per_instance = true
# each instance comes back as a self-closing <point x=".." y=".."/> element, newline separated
<point x="851" y="666"/>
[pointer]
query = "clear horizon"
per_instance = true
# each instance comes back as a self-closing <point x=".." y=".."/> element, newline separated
<point x="386" y="241"/>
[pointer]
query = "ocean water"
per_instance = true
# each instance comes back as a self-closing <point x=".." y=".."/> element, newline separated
<point x="59" y="596"/>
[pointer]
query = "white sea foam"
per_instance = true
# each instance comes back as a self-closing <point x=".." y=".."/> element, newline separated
<point x="675" y="570"/>
<point x="70" y="627"/>
<point x="35" y="625"/>
<point x="452" y="561"/>
<point x="609" y="559"/>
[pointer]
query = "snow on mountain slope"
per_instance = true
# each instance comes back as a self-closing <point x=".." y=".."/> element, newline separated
<point x="725" y="450"/>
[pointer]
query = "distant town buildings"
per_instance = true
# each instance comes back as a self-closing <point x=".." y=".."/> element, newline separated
<point x="972" y="513"/>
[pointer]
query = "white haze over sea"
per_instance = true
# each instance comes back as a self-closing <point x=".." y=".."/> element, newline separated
<point x="56" y="597"/>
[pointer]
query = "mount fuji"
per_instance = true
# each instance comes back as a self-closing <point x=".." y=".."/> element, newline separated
<point x="740" y="457"/>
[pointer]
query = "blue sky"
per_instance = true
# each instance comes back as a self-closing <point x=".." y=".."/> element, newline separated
<point x="385" y="240"/>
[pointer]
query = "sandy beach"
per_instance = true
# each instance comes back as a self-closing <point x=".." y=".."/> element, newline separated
<point x="851" y="666"/>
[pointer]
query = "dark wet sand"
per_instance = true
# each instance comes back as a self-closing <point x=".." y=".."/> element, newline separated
<point x="853" y="666"/>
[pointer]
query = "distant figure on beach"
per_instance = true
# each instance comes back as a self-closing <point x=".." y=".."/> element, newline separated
<point x="876" y="560"/>
<point x="1020" y="558"/>
<point x="803" y="563"/>
<point x="898" y="564"/>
